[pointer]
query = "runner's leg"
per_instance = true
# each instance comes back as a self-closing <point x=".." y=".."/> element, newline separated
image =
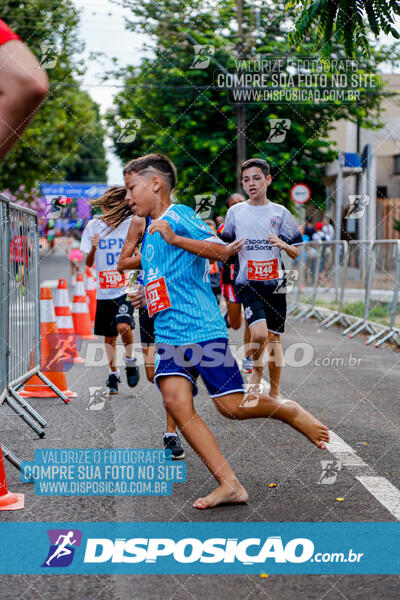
<point x="126" y="333"/>
<point x="149" y="361"/>
<point x="247" y="340"/>
<point x="275" y="362"/>
<point x="234" y="313"/>
<point x="111" y="346"/>
<point x="240" y="406"/>
<point x="149" y="365"/>
<point x="178" y="400"/>
<point x="259" y="338"/>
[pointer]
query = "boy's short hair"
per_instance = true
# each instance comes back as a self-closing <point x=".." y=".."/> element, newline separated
<point x="256" y="162"/>
<point x="236" y="197"/>
<point x="157" y="162"/>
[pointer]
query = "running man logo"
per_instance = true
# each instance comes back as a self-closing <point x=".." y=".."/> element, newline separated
<point x="279" y="129"/>
<point x="49" y="57"/>
<point x="129" y="129"/>
<point x="97" y="398"/>
<point x="204" y="204"/>
<point x="55" y="206"/>
<point x="202" y="56"/>
<point x="287" y="279"/>
<point x="62" y="547"/>
<point x="58" y="351"/>
<point x="330" y="471"/>
<point x="357" y="205"/>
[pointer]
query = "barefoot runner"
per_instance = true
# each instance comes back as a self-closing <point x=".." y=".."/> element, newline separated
<point x="191" y="335"/>
<point x="128" y="261"/>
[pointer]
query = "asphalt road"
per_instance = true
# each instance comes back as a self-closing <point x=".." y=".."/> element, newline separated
<point x="357" y="399"/>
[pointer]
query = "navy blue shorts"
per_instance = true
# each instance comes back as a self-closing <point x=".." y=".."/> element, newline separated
<point x="212" y="360"/>
<point x="260" y="304"/>
<point x="111" y="312"/>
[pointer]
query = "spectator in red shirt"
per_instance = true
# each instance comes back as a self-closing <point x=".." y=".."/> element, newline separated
<point x="22" y="87"/>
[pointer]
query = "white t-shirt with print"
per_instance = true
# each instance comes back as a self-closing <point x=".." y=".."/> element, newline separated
<point x="260" y="262"/>
<point x="110" y="283"/>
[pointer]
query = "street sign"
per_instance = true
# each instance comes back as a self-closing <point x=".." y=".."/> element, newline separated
<point x="73" y="190"/>
<point x="300" y="193"/>
<point x="351" y="162"/>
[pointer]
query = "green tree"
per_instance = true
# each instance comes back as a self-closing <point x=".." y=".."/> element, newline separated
<point x="180" y="111"/>
<point x="68" y="119"/>
<point x="344" y="22"/>
<point x="91" y="164"/>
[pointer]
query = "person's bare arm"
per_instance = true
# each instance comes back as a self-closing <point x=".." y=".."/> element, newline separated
<point x="291" y="251"/>
<point x="127" y="261"/>
<point x="23" y="86"/>
<point x="204" y="248"/>
<point x="90" y="255"/>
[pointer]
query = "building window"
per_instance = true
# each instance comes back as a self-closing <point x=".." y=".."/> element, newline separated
<point x="381" y="191"/>
<point x="396" y="164"/>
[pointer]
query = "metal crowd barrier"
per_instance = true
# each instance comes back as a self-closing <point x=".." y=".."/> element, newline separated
<point x="360" y="292"/>
<point x="19" y="309"/>
<point x="384" y="297"/>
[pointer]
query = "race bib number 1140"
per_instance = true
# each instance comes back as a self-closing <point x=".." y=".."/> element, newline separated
<point x="263" y="270"/>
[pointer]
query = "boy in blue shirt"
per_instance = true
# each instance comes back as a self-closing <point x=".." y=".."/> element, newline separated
<point x="191" y="334"/>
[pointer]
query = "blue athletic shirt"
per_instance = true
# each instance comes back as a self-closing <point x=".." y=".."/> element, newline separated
<point x="194" y="315"/>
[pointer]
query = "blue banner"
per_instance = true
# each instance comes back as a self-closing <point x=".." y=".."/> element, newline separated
<point x="74" y="190"/>
<point x="199" y="548"/>
<point x="103" y="472"/>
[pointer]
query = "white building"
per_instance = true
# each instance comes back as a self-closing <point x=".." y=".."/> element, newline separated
<point x="385" y="175"/>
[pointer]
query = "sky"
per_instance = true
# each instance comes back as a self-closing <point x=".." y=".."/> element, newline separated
<point x="102" y="29"/>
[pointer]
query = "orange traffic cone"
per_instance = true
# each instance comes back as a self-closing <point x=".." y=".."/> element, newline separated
<point x="91" y="293"/>
<point x="64" y="321"/>
<point x="80" y="311"/>
<point x="53" y="351"/>
<point x="8" y="500"/>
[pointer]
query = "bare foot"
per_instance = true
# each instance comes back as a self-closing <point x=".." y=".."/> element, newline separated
<point x="224" y="494"/>
<point x="309" y="426"/>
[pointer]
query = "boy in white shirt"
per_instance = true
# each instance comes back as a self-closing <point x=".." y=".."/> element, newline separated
<point x="268" y="229"/>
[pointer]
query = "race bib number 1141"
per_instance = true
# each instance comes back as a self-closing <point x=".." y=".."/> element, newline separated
<point x="157" y="296"/>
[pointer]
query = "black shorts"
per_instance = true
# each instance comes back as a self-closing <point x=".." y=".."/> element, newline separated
<point x="260" y="304"/>
<point x="111" y="312"/>
<point x="146" y="325"/>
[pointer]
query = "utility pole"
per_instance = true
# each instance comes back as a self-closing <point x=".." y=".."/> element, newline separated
<point x="241" y="106"/>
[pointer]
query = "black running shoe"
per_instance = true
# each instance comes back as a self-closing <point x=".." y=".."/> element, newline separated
<point x="112" y="383"/>
<point x="173" y="443"/>
<point x="132" y="373"/>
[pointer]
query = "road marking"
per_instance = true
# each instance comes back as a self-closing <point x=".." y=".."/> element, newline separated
<point x="386" y="493"/>
<point x="344" y="452"/>
<point x="380" y="487"/>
